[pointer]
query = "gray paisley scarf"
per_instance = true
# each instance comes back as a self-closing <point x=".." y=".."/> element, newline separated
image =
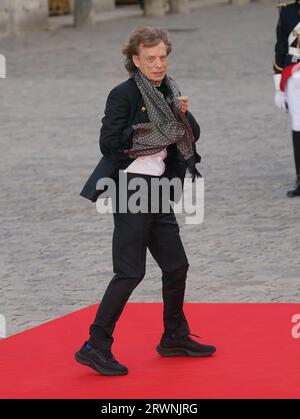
<point x="167" y="124"/>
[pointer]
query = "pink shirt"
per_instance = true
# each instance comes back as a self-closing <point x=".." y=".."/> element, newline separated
<point x="149" y="165"/>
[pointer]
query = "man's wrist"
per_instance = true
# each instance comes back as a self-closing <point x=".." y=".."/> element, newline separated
<point x="277" y="80"/>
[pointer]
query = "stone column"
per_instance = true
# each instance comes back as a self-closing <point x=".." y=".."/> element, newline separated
<point x="154" y="7"/>
<point x="83" y="13"/>
<point x="2" y="70"/>
<point x="179" y="6"/>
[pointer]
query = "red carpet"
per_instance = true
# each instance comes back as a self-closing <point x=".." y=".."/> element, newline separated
<point x="256" y="357"/>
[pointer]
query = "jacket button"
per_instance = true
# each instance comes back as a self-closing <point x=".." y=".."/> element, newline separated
<point x="143" y="109"/>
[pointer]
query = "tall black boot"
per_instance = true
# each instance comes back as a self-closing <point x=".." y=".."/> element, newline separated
<point x="296" y="143"/>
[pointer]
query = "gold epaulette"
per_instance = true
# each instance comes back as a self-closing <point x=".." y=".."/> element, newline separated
<point x="287" y="3"/>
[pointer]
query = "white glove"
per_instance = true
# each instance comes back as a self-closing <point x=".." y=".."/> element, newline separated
<point x="280" y="100"/>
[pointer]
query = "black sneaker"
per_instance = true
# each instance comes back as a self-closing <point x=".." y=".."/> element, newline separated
<point x="183" y="346"/>
<point x="101" y="361"/>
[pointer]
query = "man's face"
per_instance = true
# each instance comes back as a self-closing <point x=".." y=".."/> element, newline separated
<point x="152" y="62"/>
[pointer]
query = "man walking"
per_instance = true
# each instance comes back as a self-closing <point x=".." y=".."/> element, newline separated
<point x="149" y="133"/>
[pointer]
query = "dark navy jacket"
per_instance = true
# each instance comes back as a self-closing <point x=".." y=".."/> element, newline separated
<point x="124" y="108"/>
<point x="289" y="18"/>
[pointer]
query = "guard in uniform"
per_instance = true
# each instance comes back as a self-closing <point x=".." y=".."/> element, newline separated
<point x="287" y="74"/>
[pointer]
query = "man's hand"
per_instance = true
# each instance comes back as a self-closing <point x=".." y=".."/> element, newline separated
<point x="184" y="102"/>
<point x="280" y="100"/>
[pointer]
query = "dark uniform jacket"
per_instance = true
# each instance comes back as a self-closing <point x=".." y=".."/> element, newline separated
<point x="289" y="21"/>
<point x="124" y="108"/>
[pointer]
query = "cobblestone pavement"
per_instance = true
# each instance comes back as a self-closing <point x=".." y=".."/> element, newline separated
<point x="56" y="248"/>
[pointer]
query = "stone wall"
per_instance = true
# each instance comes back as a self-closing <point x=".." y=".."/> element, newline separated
<point x="5" y="16"/>
<point x="103" y="5"/>
<point x="19" y="15"/>
<point x="99" y="5"/>
<point x="158" y="7"/>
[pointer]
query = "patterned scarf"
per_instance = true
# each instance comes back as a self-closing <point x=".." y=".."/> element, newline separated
<point x="167" y="125"/>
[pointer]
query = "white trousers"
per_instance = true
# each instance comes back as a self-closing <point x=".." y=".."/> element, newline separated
<point x="293" y="99"/>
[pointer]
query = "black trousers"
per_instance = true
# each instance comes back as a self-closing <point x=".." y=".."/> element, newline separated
<point x="133" y="234"/>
